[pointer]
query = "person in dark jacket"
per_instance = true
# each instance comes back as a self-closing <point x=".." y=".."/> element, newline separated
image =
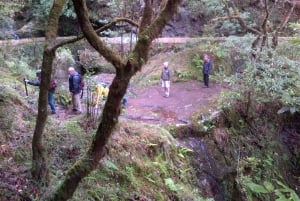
<point x="51" y="90"/>
<point x="75" y="89"/>
<point x="207" y="66"/>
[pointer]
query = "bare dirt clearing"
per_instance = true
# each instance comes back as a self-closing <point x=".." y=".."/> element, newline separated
<point x="149" y="105"/>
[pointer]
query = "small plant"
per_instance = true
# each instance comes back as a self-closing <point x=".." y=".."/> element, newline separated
<point x="163" y="167"/>
<point x="183" y="152"/>
<point x="169" y="182"/>
<point x="208" y="125"/>
<point x="283" y="192"/>
<point x="197" y="62"/>
<point x="63" y="98"/>
<point x="129" y="171"/>
<point x="183" y="74"/>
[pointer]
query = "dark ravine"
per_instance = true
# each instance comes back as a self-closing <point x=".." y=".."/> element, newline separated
<point x="290" y="139"/>
<point x="216" y="164"/>
<point x="213" y="172"/>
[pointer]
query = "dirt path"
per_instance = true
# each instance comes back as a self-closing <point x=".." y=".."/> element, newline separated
<point x="149" y="105"/>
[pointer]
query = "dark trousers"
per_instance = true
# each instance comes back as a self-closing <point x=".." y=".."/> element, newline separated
<point x="206" y="79"/>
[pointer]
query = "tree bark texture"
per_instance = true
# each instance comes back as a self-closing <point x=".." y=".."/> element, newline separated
<point x="39" y="169"/>
<point x="125" y="69"/>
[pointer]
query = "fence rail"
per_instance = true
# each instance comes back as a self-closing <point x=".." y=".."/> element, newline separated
<point x="119" y="40"/>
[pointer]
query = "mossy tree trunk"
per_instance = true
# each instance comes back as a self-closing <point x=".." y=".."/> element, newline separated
<point x="125" y="69"/>
<point x="39" y="162"/>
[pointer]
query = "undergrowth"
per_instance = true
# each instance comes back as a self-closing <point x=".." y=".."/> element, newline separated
<point x="264" y="97"/>
<point x="142" y="163"/>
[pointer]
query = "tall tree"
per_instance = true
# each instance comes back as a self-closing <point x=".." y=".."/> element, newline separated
<point x="150" y="28"/>
<point x="39" y="163"/>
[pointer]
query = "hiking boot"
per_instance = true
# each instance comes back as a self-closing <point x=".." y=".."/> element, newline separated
<point x="53" y="112"/>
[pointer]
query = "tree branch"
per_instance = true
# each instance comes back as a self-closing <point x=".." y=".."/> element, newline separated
<point x="226" y="7"/>
<point x="166" y="14"/>
<point x="82" y="14"/>
<point x="282" y="26"/>
<point x="238" y="17"/>
<point x="103" y="28"/>
<point x="140" y="54"/>
<point x="147" y="16"/>
<point x="264" y="26"/>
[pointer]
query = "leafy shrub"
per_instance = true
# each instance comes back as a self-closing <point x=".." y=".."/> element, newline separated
<point x="19" y="68"/>
<point x="6" y="27"/>
<point x="183" y="74"/>
<point x="267" y="79"/>
<point x="63" y="98"/>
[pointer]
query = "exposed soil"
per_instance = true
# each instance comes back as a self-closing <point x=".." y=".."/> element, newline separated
<point x="149" y="105"/>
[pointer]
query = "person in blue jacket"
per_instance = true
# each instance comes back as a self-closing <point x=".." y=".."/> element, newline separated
<point x="75" y="89"/>
<point x="207" y="66"/>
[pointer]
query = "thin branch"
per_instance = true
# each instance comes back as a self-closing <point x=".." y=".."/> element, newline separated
<point x="156" y="27"/>
<point x="238" y="17"/>
<point x="226" y="7"/>
<point x="241" y="21"/>
<point x="147" y="16"/>
<point x="282" y="26"/>
<point x="287" y="18"/>
<point x="229" y="17"/>
<point x="82" y="14"/>
<point x="264" y="26"/>
<point x="103" y="28"/>
<point x="153" y="30"/>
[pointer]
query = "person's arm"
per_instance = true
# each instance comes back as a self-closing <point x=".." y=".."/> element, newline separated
<point x="209" y="67"/>
<point x="34" y="83"/>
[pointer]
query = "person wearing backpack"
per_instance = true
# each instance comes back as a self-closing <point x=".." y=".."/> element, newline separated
<point x="75" y="87"/>
<point x="51" y="90"/>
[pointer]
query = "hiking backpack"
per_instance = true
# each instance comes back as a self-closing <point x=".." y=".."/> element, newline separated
<point x="53" y="84"/>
